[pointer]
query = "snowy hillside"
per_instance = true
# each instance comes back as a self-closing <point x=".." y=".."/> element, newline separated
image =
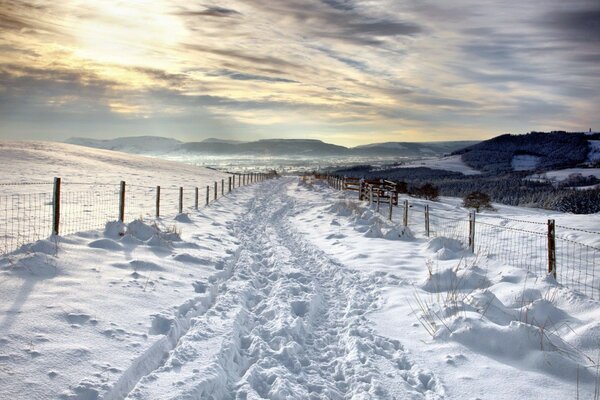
<point x="291" y="290"/>
<point x="135" y="145"/>
<point x="36" y="161"/>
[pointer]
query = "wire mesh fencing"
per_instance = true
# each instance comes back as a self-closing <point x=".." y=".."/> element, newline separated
<point x="32" y="214"/>
<point x="540" y="247"/>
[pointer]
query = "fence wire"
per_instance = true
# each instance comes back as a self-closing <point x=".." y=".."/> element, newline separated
<point x="24" y="218"/>
<point x="516" y="242"/>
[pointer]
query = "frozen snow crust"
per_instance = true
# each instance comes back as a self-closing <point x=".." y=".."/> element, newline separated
<point x="284" y="290"/>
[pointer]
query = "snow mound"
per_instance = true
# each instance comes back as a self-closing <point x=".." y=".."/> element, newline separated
<point x="446" y="248"/>
<point x="452" y="280"/>
<point x="114" y="229"/>
<point x="518" y="343"/>
<point x="106" y="244"/>
<point x="141" y="230"/>
<point x="183" y="218"/>
<point x="41" y="246"/>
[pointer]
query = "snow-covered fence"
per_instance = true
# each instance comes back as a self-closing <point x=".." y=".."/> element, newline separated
<point x="37" y="210"/>
<point x="571" y="255"/>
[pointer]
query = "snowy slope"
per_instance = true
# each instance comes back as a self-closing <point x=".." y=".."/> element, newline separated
<point x="448" y="163"/>
<point x="135" y="144"/>
<point x="27" y="161"/>
<point x="286" y="290"/>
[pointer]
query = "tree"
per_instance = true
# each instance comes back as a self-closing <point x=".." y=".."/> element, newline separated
<point x="477" y="200"/>
<point x="428" y="191"/>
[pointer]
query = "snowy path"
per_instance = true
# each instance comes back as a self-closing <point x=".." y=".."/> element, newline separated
<point x="289" y="322"/>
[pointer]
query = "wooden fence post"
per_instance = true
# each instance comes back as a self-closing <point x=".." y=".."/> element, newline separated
<point x="229" y="185"/>
<point x="405" y="216"/>
<point x="427" y="220"/>
<point x="216" y="189"/>
<point x="196" y="198"/>
<point x="180" y="199"/>
<point x="207" y="194"/>
<point x="122" y="202"/>
<point x="158" y="202"/>
<point x="56" y="207"/>
<point x="377" y="200"/>
<point x="472" y="231"/>
<point x="552" y="248"/>
<point x="390" y="211"/>
<point x="222" y="187"/>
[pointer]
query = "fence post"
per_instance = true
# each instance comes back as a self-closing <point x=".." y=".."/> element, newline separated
<point x="427" y="220"/>
<point x="122" y="202"/>
<point x="207" y="194"/>
<point x="472" y="231"/>
<point x="222" y="187"/>
<point x="229" y="186"/>
<point x="405" y="216"/>
<point x="180" y="199"/>
<point x="196" y="198"/>
<point x="158" y="202"/>
<point x="56" y="206"/>
<point x="390" y="211"/>
<point x="377" y="200"/>
<point x="551" y="248"/>
<point x="216" y="189"/>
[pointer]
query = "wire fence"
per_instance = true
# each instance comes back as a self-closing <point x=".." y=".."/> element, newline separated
<point x="541" y="247"/>
<point x="33" y="214"/>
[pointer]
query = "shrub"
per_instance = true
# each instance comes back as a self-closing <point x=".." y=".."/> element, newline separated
<point x="477" y="200"/>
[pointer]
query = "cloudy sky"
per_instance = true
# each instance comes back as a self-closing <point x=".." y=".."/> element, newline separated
<point x="343" y="71"/>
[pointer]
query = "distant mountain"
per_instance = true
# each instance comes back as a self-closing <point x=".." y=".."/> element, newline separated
<point x="216" y="140"/>
<point x="411" y="149"/>
<point x="271" y="147"/>
<point x="134" y="144"/>
<point x="531" y="151"/>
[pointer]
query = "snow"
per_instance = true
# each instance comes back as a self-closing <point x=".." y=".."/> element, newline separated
<point x="448" y="163"/>
<point x="594" y="154"/>
<point x="524" y="162"/>
<point x="288" y="290"/>
<point x="562" y="174"/>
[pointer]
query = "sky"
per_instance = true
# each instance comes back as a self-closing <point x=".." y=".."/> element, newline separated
<point x="345" y="72"/>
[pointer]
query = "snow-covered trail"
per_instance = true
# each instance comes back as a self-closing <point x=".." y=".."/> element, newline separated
<point x="287" y="322"/>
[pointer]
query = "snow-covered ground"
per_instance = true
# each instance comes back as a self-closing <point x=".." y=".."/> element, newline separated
<point x="289" y="290"/>
<point x="448" y="163"/>
<point x="90" y="187"/>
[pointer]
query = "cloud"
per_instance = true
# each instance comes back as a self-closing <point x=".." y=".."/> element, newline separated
<point x="210" y="12"/>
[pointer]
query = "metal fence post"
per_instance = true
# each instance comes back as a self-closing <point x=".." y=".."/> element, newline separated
<point x="207" y="194"/>
<point x="122" y="202"/>
<point x="472" y="231"/>
<point x="390" y="211"/>
<point x="551" y="248"/>
<point x="229" y="185"/>
<point x="158" y="202"/>
<point x="405" y="216"/>
<point x="56" y="207"/>
<point x="222" y="187"/>
<point x="196" y="198"/>
<point x="427" y="220"/>
<point x="216" y="189"/>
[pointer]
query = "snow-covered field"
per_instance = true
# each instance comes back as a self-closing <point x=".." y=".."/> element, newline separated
<point x="562" y="174"/>
<point x="448" y="163"/>
<point x="288" y="290"/>
<point x="90" y="187"/>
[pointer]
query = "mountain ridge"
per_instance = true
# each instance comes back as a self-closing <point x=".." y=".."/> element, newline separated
<point x="269" y="147"/>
